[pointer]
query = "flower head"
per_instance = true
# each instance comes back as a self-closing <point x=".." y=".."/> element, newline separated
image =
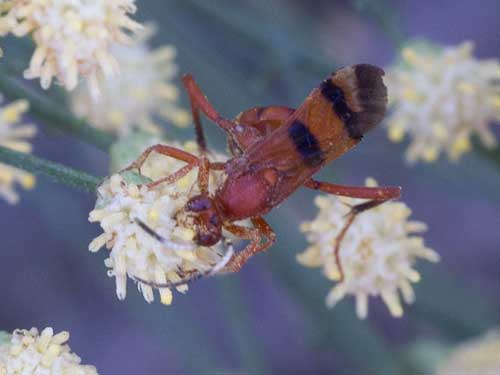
<point x="142" y="93"/>
<point x="122" y="199"/>
<point x="72" y="37"/>
<point x="14" y="136"/>
<point x="440" y="97"/>
<point x="479" y="356"/>
<point x="29" y="352"/>
<point x="378" y="253"/>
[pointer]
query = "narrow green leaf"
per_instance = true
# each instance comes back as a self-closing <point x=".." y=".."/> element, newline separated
<point x="55" y="171"/>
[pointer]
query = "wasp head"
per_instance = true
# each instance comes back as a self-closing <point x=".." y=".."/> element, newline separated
<point x="207" y="220"/>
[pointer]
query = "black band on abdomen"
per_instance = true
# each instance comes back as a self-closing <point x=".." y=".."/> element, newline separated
<point x="305" y="143"/>
<point x="335" y="95"/>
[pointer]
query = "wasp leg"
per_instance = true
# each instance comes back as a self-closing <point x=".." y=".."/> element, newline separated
<point x="361" y="192"/>
<point x="200" y="102"/>
<point x="172" y="152"/>
<point x="171" y="178"/>
<point x="262" y="229"/>
<point x="378" y="195"/>
<point x="249" y="127"/>
<point x="203" y="175"/>
<point x="195" y="111"/>
<point x="355" y="211"/>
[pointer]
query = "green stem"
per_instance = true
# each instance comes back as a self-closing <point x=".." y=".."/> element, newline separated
<point x="55" y="171"/>
<point x="54" y="114"/>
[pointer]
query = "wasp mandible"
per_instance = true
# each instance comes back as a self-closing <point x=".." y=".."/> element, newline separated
<point x="275" y="151"/>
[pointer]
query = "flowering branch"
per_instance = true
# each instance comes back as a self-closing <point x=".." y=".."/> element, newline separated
<point x="53" y="114"/>
<point x="57" y="172"/>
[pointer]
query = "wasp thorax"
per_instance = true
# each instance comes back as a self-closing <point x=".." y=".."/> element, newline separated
<point x="207" y="221"/>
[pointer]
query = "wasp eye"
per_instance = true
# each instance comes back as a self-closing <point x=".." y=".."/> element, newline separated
<point x="198" y="204"/>
<point x="208" y="238"/>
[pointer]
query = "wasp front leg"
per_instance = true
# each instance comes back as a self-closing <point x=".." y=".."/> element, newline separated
<point x="163" y="150"/>
<point x="255" y="235"/>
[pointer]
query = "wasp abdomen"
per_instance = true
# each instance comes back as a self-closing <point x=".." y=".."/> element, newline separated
<point x="358" y="96"/>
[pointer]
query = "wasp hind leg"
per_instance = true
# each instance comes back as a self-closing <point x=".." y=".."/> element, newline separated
<point x="377" y="196"/>
<point x="355" y="211"/>
<point x="361" y="192"/>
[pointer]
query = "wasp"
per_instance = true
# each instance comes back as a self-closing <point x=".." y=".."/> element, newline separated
<point x="276" y="150"/>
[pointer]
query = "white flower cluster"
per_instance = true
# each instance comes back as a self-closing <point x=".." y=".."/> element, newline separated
<point x="14" y="135"/>
<point x="378" y="253"/>
<point x="72" y="37"/>
<point x="138" y="254"/>
<point x="31" y="353"/>
<point x="440" y="97"/>
<point x="479" y="356"/>
<point x="139" y="95"/>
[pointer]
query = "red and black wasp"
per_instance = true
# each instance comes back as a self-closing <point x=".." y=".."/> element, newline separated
<point x="275" y="151"/>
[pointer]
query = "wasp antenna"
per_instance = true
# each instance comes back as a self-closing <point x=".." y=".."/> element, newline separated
<point x="195" y="275"/>
<point x="225" y="259"/>
<point x="170" y="244"/>
<point x="173" y="284"/>
<point x="149" y="230"/>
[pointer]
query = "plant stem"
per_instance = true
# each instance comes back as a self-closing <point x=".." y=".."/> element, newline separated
<point x="53" y="114"/>
<point x="55" y="171"/>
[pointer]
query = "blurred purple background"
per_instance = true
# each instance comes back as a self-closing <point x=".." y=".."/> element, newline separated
<point x="49" y="278"/>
